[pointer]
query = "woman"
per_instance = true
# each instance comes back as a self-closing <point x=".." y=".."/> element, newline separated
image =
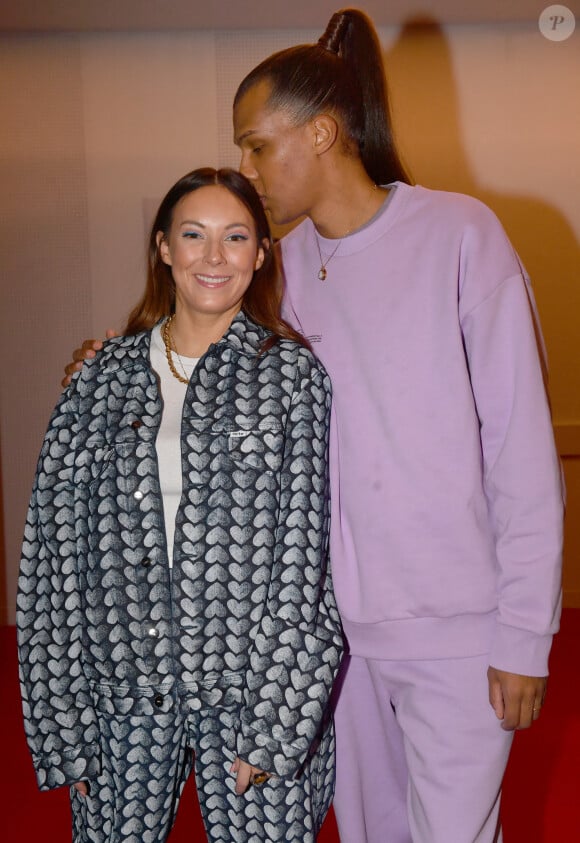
<point x="175" y="605"/>
<point x="447" y="528"/>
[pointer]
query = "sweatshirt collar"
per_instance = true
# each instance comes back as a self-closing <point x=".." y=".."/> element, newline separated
<point x="371" y="231"/>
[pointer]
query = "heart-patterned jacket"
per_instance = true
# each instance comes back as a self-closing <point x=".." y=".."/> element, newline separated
<point x="246" y="619"/>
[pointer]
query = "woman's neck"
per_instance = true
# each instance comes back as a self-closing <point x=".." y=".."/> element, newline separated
<point x="193" y="333"/>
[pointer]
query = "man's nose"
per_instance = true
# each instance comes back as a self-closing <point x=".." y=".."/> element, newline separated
<point x="246" y="168"/>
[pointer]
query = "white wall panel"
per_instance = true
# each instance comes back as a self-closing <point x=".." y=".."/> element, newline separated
<point x="45" y="272"/>
<point x="150" y="116"/>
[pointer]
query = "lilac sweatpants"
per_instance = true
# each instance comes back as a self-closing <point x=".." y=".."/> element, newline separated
<point x="420" y="753"/>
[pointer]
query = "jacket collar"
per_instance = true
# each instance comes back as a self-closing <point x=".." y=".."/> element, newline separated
<point x="243" y="336"/>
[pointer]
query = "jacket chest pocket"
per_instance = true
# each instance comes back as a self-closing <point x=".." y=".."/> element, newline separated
<point x="229" y="451"/>
<point x="105" y="462"/>
<point x="94" y="462"/>
<point x="257" y="450"/>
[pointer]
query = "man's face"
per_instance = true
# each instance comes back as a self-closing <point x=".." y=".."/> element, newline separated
<point x="277" y="155"/>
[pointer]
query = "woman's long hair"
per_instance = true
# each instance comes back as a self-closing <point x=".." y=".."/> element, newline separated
<point x="262" y="300"/>
<point x="344" y="75"/>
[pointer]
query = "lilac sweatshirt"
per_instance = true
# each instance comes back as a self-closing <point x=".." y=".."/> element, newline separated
<point x="446" y="486"/>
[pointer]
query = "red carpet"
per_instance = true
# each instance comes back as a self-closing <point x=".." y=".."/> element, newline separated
<point x="541" y="794"/>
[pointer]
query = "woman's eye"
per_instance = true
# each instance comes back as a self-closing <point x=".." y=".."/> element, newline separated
<point x="237" y="238"/>
<point x="257" y="149"/>
<point x="191" y="235"/>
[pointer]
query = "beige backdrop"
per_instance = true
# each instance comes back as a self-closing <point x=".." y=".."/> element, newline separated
<point x="95" y="127"/>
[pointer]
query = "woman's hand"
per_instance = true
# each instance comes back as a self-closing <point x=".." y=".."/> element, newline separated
<point x="247" y="775"/>
<point x="82" y="788"/>
<point x="87" y="350"/>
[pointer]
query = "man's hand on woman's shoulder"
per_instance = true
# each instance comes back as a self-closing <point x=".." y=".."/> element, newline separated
<point x="87" y="350"/>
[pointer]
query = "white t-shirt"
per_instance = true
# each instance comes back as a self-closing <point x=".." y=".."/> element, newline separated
<point x="168" y="443"/>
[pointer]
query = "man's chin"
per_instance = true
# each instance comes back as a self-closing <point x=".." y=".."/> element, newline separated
<point x="281" y="218"/>
<point x="282" y="224"/>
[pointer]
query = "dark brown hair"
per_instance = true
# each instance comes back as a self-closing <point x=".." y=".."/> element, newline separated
<point x="343" y="75"/>
<point x="263" y="297"/>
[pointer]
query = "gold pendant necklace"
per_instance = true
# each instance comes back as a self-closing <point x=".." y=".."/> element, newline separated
<point x="322" y="273"/>
<point x="169" y="346"/>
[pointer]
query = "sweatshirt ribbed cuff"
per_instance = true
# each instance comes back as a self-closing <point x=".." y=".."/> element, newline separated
<point x="520" y="651"/>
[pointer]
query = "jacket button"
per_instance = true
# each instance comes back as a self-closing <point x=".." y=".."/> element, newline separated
<point x="146" y="563"/>
<point x="158" y="700"/>
<point x="153" y="633"/>
<point x="138" y="495"/>
<point x="136" y="424"/>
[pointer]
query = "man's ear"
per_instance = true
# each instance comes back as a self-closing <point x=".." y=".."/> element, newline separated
<point x="325" y="130"/>
<point x="163" y="247"/>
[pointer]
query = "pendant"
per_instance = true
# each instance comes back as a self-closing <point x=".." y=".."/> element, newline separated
<point x="322" y="273"/>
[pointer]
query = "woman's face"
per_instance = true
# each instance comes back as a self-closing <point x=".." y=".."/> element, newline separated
<point x="212" y="250"/>
<point x="277" y="156"/>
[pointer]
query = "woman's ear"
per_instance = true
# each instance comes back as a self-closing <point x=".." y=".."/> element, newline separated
<point x="163" y="247"/>
<point x="261" y="254"/>
<point x="259" y="258"/>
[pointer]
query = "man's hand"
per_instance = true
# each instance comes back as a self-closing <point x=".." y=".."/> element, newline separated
<point x="87" y="350"/>
<point x="517" y="700"/>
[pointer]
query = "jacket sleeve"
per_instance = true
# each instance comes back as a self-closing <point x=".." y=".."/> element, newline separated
<point x="59" y="719"/>
<point x="521" y="470"/>
<point x="298" y="647"/>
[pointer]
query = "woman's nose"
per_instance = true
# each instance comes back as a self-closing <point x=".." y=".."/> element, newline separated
<point x="214" y="252"/>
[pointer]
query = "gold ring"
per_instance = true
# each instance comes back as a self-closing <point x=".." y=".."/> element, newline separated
<point x="259" y="778"/>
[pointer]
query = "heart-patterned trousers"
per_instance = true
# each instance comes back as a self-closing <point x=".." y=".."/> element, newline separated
<point x="146" y="760"/>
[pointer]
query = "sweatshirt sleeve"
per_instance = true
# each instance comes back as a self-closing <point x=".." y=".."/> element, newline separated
<point x="521" y="470"/>
<point x="59" y="720"/>
<point x="298" y="647"/>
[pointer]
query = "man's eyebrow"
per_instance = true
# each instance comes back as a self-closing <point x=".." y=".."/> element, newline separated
<point x="243" y="137"/>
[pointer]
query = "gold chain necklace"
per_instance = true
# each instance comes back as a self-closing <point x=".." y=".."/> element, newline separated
<point x="169" y="346"/>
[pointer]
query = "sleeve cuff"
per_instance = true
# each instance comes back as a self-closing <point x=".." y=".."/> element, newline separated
<point x="520" y="651"/>
<point x="266" y="753"/>
<point x="60" y="770"/>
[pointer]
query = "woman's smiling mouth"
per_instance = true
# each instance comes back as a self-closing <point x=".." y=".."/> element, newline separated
<point x="212" y="280"/>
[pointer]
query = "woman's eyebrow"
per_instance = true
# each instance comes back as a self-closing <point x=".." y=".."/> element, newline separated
<point x="228" y="226"/>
